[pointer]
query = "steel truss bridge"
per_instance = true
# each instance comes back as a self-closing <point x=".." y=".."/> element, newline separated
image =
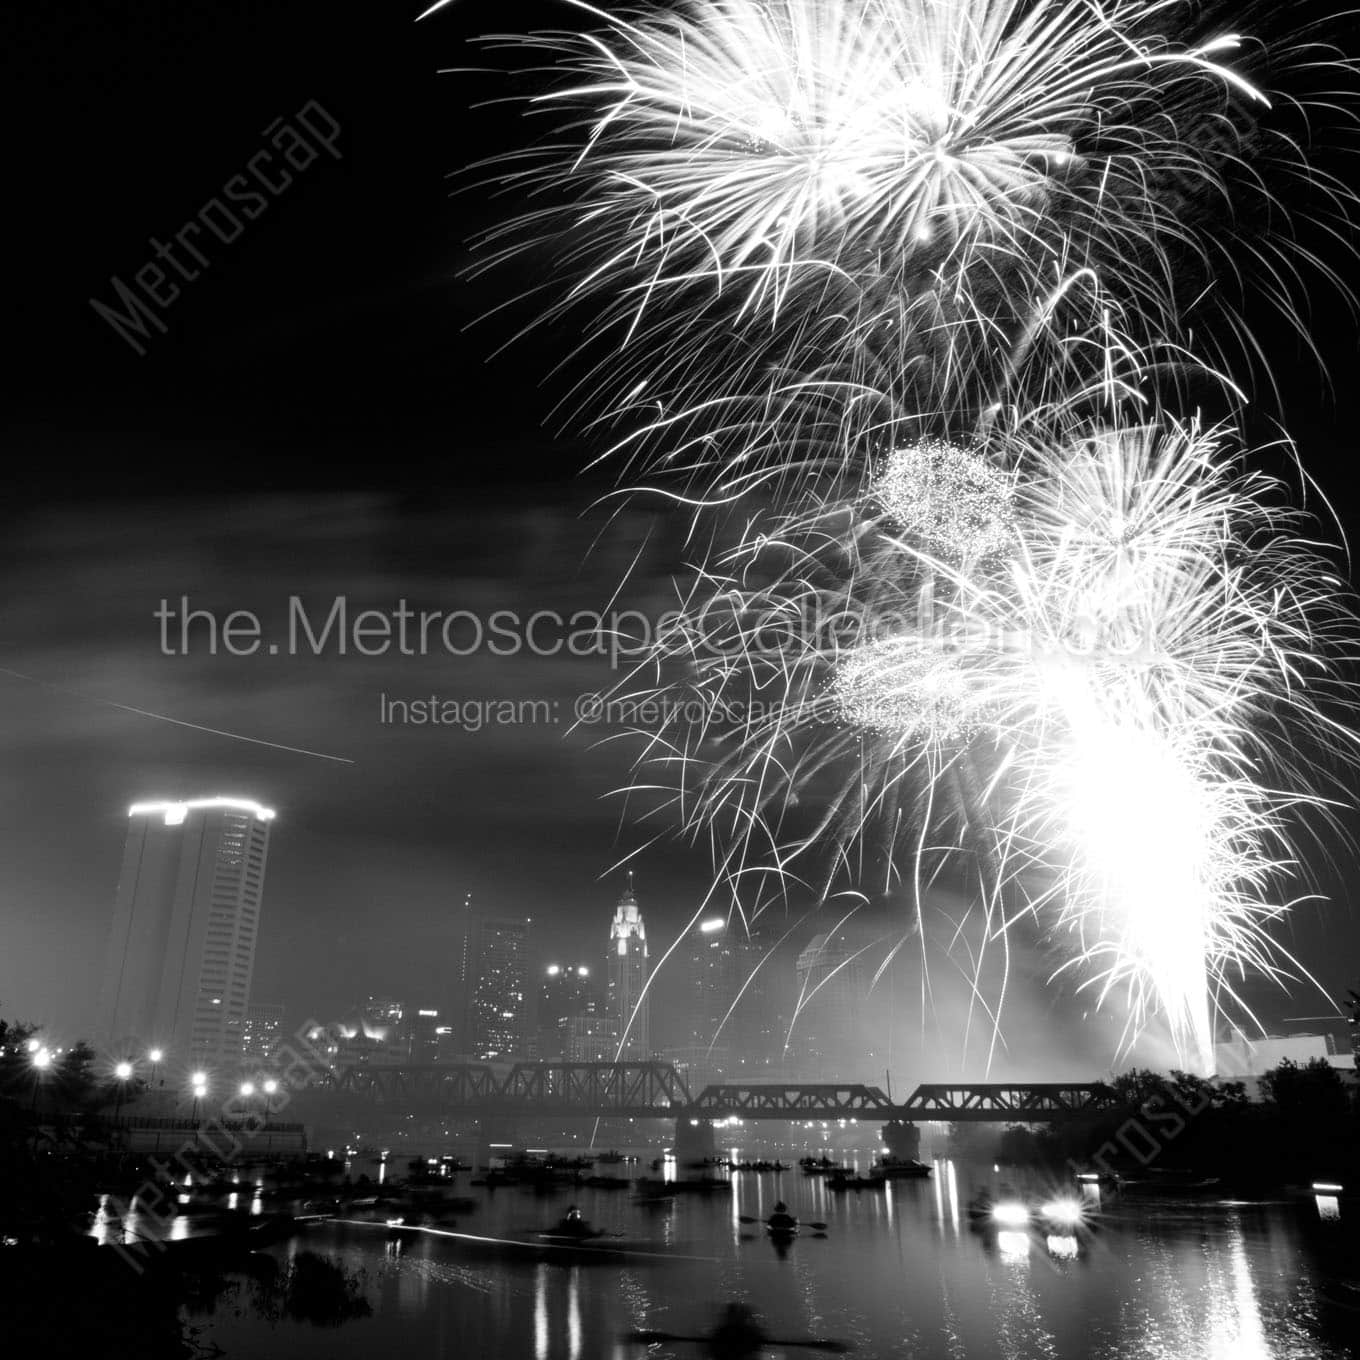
<point x="654" y="1090"/>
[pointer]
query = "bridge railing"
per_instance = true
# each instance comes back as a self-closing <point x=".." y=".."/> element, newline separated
<point x="991" y="1102"/>
<point x="533" y="1087"/>
<point x="793" y="1101"/>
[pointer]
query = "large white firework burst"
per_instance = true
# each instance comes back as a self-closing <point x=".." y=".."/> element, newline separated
<point x="754" y="194"/>
<point x="1120" y="717"/>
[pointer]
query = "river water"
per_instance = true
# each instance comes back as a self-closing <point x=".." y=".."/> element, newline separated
<point x="898" y="1273"/>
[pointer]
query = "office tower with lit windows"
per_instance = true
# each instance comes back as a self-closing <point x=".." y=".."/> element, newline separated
<point x="627" y="974"/>
<point x="181" y="945"/>
<point x="496" y="985"/>
<point x="568" y="994"/>
<point x="261" y="1032"/>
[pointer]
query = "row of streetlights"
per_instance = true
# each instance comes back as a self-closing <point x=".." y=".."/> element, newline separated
<point x="124" y="1071"/>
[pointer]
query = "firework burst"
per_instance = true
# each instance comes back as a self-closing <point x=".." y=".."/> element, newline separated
<point x="751" y="196"/>
<point x="912" y="285"/>
<point x="1098" y="711"/>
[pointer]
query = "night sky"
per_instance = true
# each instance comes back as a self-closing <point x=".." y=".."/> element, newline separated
<point x="322" y="418"/>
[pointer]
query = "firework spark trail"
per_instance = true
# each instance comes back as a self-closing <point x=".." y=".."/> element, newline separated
<point x="905" y="289"/>
<point x="926" y="190"/>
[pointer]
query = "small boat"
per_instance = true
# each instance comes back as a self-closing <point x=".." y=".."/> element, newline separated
<point x="781" y="1225"/>
<point x="892" y="1169"/>
<point x="844" y="1182"/>
<point x="821" y="1167"/>
<point x="574" y="1238"/>
<point x="1171" y="1183"/>
<point x="611" y="1158"/>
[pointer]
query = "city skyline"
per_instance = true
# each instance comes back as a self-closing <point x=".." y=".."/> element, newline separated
<point x="727" y="1010"/>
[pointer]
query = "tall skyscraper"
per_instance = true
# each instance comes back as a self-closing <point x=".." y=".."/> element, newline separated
<point x="627" y="977"/>
<point x="834" y="973"/>
<point x="496" y="985"/>
<point x="567" y="994"/>
<point x="181" y="947"/>
<point x="760" y="1026"/>
<point x="707" y="963"/>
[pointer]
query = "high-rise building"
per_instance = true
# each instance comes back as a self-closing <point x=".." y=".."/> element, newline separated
<point x="704" y="986"/>
<point x="833" y="974"/>
<point x="568" y="993"/>
<point x="181" y="947"/>
<point x="422" y="1036"/>
<point x="497" y="985"/>
<point x="760" y="1026"/>
<point x="627" y="1007"/>
<point x="261" y="1032"/>
<point x="593" y="1038"/>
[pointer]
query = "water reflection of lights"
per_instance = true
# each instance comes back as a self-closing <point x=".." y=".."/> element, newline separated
<point x="574" y="1314"/>
<point x="1328" y="1207"/>
<point x="541" y="1313"/>
<point x="953" y="1188"/>
<point x="1014" y="1246"/>
<point x="1248" y="1338"/>
<point x="1063" y="1248"/>
<point x="542" y="1324"/>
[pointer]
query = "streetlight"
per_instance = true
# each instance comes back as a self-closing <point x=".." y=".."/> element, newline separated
<point x="200" y="1083"/>
<point x="123" y="1072"/>
<point x="270" y="1086"/>
<point x="154" y="1058"/>
<point x="42" y="1060"/>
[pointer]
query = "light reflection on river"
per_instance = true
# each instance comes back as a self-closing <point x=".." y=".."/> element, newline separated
<point x="900" y="1273"/>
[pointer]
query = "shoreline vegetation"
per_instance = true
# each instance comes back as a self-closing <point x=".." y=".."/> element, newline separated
<point x="1305" y="1128"/>
<point x="61" y="1293"/>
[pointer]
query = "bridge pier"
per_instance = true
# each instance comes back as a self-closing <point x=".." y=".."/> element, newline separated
<point x="695" y="1140"/>
<point x="903" y="1141"/>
